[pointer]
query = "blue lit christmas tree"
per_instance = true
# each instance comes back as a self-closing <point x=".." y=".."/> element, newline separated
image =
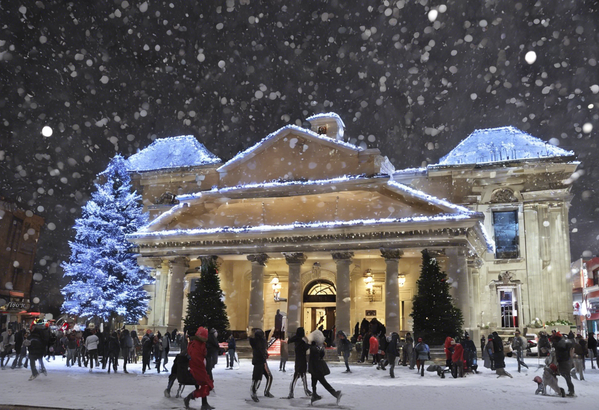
<point x="105" y="279"/>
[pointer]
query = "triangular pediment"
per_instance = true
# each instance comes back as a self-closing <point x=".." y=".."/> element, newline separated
<point x="337" y="203"/>
<point x="293" y="154"/>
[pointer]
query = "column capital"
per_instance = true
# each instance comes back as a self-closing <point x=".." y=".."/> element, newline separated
<point x="339" y="256"/>
<point x="390" y="254"/>
<point x="259" y="258"/>
<point x="179" y="261"/>
<point x="295" y="258"/>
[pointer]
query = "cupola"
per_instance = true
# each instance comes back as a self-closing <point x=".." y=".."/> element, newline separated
<point x="329" y="124"/>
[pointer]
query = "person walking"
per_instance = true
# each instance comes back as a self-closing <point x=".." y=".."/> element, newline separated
<point x="423" y="353"/>
<point x="231" y="347"/>
<point x="284" y="355"/>
<point x="344" y="347"/>
<point x="113" y="350"/>
<point x="259" y="356"/>
<point x="197" y="352"/>
<point x="157" y="350"/>
<point x="318" y="368"/>
<point x="212" y="355"/>
<point x="136" y="349"/>
<point x="91" y="346"/>
<point x="488" y="354"/>
<point x="518" y="345"/>
<point x="578" y="356"/>
<point x="71" y="348"/>
<point x="166" y="347"/>
<point x="563" y="354"/>
<point x="19" y="337"/>
<point x="301" y="361"/>
<point x="147" y="343"/>
<point x="407" y="357"/>
<point x="6" y="346"/>
<point x="37" y="349"/>
<point x="126" y="343"/>
<point x="499" y="356"/>
<point x="391" y="353"/>
<point x="592" y="346"/>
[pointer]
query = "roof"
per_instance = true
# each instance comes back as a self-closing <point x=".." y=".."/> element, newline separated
<point x="173" y="152"/>
<point x="499" y="145"/>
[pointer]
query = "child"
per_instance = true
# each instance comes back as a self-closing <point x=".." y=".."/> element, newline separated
<point x="197" y="353"/>
<point x="284" y="355"/>
<point x="259" y="356"/>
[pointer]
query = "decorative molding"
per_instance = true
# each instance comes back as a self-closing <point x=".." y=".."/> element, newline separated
<point x="314" y="274"/>
<point x="295" y="258"/>
<point x="391" y="253"/>
<point x="259" y="258"/>
<point x="503" y="195"/>
<point x="338" y="256"/>
<point x="180" y="261"/>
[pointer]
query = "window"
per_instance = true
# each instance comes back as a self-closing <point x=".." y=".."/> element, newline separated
<point x="505" y="224"/>
<point x="596" y="277"/>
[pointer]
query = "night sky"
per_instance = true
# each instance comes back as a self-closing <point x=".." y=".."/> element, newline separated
<point x="412" y="78"/>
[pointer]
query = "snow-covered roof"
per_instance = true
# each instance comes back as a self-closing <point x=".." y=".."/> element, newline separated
<point x="499" y="145"/>
<point x="173" y="152"/>
<point x="254" y="148"/>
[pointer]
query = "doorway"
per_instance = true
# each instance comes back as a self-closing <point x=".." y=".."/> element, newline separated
<point x="508" y="305"/>
<point x="319" y="307"/>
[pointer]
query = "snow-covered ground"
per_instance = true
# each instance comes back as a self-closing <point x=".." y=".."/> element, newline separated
<point x="365" y="388"/>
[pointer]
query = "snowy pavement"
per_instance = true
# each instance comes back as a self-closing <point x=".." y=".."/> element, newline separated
<point x="365" y="388"/>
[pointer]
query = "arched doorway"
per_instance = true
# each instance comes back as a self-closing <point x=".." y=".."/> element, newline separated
<point x="319" y="303"/>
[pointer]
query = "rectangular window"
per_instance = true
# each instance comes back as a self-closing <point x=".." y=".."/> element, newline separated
<point x="596" y="277"/>
<point x="505" y="225"/>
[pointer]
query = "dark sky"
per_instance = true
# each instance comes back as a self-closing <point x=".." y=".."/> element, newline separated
<point x="412" y="78"/>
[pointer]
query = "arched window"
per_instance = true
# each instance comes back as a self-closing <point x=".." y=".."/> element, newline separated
<point x="320" y="291"/>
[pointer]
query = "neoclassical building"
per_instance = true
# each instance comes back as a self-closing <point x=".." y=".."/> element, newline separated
<point x="330" y="233"/>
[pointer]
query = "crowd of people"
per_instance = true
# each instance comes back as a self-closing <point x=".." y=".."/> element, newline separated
<point x="89" y="347"/>
<point x="565" y="355"/>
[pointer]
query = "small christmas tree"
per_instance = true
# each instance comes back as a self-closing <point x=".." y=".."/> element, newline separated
<point x="104" y="277"/>
<point x="206" y="306"/>
<point x="435" y="316"/>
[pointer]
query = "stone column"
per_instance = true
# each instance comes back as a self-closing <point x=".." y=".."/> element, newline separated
<point x="294" y="297"/>
<point x="392" y="317"/>
<point x="343" y="300"/>
<point x="256" y="316"/>
<point x="155" y="265"/>
<point x="178" y="267"/>
<point x="457" y="269"/>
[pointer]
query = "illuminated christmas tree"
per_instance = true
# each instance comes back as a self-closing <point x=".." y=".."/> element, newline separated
<point x="104" y="277"/>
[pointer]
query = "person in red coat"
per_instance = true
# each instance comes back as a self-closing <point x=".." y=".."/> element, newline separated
<point x="197" y="354"/>
<point x="374" y="349"/>
<point x="448" y="348"/>
<point x="457" y="360"/>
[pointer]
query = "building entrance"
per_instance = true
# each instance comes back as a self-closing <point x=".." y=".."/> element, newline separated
<point x="319" y="306"/>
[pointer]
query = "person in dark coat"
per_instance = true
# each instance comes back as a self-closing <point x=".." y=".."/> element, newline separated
<point x="147" y="344"/>
<point x="499" y="356"/>
<point x="231" y="347"/>
<point x="37" y="350"/>
<point x="592" y="346"/>
<point x="113" y="350"/>
<point x="391" y="353"/>
<point x="180" y="372"/>
<point x="563" y="356"/>
<point x="365" y="347"/>
<point x="259" y="356"/>
<point x="470" y="353"/>
<point x="197" y="352"/>
<point x="126" y="343"/>
<point x="212" y="355"/>
<point x="544" y="345"/>
<point x="301" y="362"/>
<point x="344" y="348"/>
<point x="318" y="368"/>
<point x="19" y="337"/>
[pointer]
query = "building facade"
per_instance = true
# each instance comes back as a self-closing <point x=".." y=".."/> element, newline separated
<point x="19" y="234"/>
<point x="331" y="233"/>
